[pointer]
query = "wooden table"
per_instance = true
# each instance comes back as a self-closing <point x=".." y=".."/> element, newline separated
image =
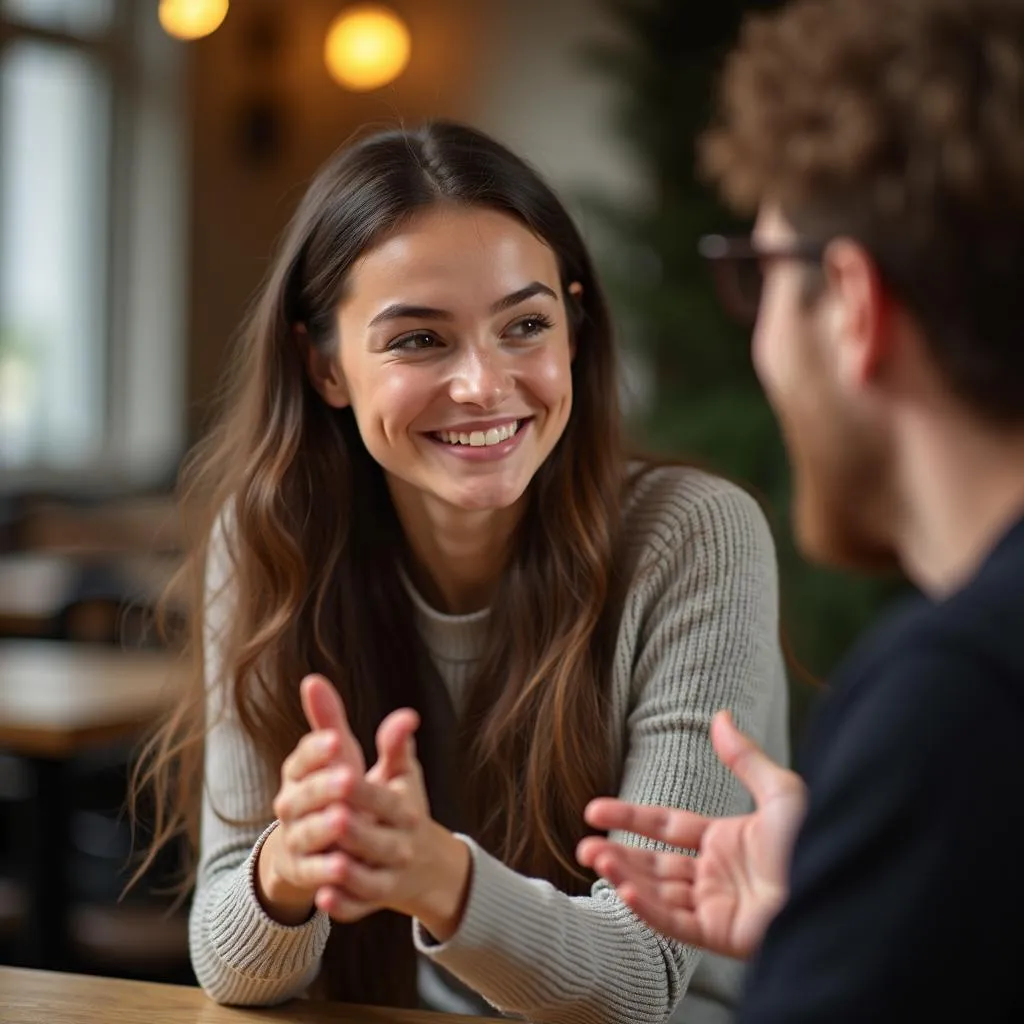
<point x="129" y="525"/>
<point x="40" y="997"/>
<point x="58" y="699"/>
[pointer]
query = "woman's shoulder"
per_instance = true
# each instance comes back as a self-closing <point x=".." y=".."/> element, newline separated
<point x="671" y="506"/>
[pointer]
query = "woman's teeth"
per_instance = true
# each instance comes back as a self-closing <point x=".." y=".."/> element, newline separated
<point x="480" y="438"/>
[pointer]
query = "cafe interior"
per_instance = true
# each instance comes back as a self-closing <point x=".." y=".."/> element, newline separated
<point x="151" y="153"/>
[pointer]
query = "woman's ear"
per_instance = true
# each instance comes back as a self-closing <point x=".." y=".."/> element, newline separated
<point x="575" y="305"/>
<point x="323" y="369"/>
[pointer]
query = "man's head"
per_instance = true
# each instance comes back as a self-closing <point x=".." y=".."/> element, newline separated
<point x="881" y="144"/>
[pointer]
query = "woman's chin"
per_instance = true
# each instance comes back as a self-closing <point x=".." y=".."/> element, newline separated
<point x="492" y="495"/>
<point x="494" y="500"/>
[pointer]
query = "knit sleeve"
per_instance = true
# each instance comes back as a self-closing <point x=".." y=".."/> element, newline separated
<point x="699" y="633"/>
<point x="239" y="954"/>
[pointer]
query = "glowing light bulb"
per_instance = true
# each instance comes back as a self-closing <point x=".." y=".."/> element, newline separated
<point x="191" y="19"/>
<point x="366" y="47"/>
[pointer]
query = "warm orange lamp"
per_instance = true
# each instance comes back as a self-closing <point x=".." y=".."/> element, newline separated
<point x="367" y="47"/>
<point x="191" y="19"/>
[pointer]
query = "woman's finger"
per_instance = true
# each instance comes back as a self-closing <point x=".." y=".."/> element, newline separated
<point x="314" y="833"/>
<point x="370" y="885"/>
<point x="376" y="845"/>
<point x="315" y="792"/>
<point x="396" y="745"/>
<point x="324" y="709"/>
<point x="342" y="906"/>
<point x="379" y="801"/>
<point x="315" y="870"/>
<point x="315" y="750"/>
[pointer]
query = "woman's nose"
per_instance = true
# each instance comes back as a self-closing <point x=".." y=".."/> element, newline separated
<point x="481" y="378"/>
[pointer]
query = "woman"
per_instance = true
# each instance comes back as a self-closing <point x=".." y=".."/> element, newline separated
<point x="418" y="499"/>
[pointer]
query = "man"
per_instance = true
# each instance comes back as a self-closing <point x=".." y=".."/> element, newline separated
<point x="881" y="143"/>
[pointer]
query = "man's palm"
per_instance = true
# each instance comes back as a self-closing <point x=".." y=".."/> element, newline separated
<point x="724" y="898"/>
<point x="740" y="877"/>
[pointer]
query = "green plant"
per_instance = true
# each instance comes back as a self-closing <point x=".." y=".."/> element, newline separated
<point x="704" y="401"/>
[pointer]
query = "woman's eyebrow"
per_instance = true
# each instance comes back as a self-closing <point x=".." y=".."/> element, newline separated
<point x="407" y="311"/>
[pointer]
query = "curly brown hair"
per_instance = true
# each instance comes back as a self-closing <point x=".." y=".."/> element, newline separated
<point x="899" y="123"/>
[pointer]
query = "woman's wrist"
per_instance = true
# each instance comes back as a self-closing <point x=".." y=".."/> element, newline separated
<point x="448" y="874"/>
<point x="280" y="900"/>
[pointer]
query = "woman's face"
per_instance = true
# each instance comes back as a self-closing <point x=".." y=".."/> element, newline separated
<point x="455" y="354"/>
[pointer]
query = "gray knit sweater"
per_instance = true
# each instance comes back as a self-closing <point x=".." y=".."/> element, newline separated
<point x="699" y="632"/>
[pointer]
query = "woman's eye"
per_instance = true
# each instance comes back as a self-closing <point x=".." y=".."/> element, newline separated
<point x="413" y="342"/>
<point x="529" y="326"/>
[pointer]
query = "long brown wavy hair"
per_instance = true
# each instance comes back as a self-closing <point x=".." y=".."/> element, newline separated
<point x="315" y="549"/>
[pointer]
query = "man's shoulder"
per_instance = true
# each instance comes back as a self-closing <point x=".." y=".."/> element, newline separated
<point x="928" y="676"/>
<point x="913" y="771"/>
<point x="974" y="631"/>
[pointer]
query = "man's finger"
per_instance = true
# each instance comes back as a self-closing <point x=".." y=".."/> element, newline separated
<point x="675" y="828"/>
<point x="650" y="906"/>
<point x="601" y="854"/>
<point x="762" y="777"/>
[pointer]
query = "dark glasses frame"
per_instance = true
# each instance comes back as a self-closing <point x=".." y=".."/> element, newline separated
<point x="738" y="264"/>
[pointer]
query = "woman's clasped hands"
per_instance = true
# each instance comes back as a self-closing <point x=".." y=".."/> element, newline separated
<point x="351" y="841"/>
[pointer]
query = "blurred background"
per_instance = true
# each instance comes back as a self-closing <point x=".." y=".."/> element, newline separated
<point x="151" y="151"/>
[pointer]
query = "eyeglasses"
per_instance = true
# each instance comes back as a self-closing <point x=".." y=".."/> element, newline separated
<point x="739" y="264"/>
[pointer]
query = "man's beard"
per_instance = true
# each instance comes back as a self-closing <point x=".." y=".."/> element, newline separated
<point x="842" y="516"/>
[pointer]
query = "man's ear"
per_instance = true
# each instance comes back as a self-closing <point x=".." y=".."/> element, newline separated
<point x="860" y="312"/>
<point x="575" y="290"/>
<point x="323" y="369"/>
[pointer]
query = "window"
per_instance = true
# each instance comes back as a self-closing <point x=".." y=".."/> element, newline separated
<point x="89" y="134"/>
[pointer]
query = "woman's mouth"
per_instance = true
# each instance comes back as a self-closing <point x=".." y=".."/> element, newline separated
<point x="484" y="442"/>
<point x="479" y="438"/>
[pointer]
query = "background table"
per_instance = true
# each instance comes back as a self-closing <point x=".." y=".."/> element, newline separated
<point x="39" y="997"/>
<point x="36" y="588"/>
<point x="58" y="699"/>
<point x="33" y="589"/>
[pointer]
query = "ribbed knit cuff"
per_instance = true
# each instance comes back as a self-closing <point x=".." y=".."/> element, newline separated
<point x="284" y="950"/>
<point x="487" y="904"/>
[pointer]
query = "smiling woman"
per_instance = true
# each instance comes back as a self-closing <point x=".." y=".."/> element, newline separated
<point x="417" y="517"/>
<point x="476" y="346"/>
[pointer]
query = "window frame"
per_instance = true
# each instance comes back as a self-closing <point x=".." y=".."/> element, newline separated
<point x="125" y="461"/>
